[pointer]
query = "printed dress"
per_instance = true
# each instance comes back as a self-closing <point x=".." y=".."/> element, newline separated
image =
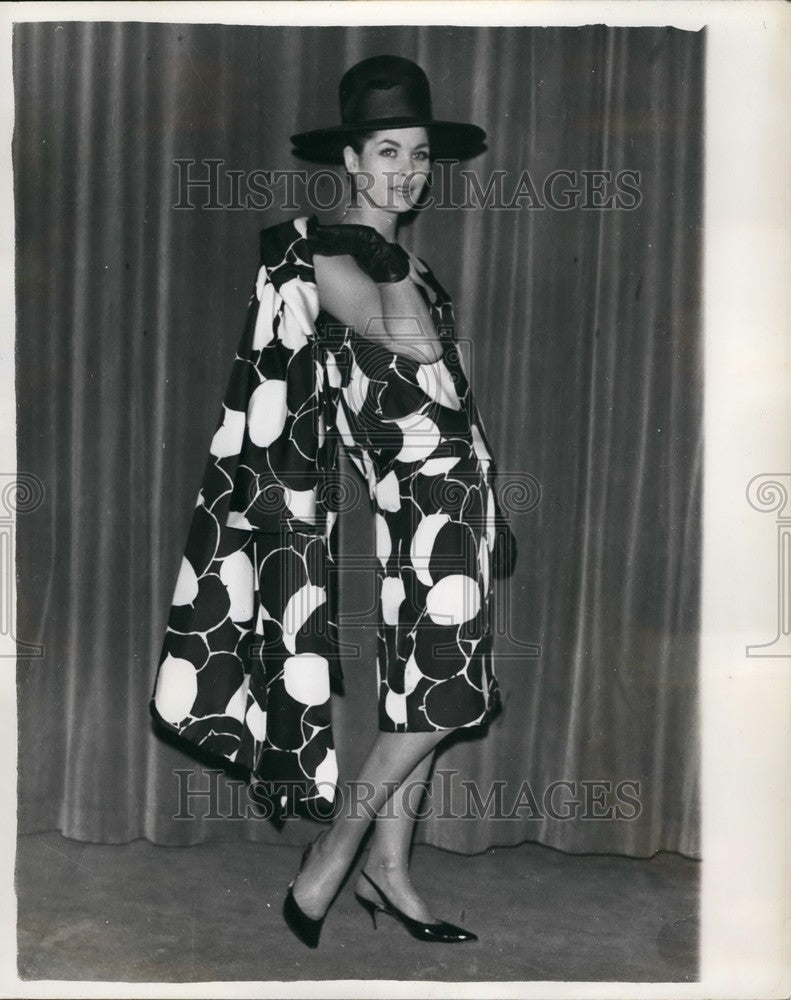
<point x="251" y="646"/>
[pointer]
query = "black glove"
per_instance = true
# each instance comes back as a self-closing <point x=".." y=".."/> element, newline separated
<point x="504" y="552"/>
<point x="382" y="261"/>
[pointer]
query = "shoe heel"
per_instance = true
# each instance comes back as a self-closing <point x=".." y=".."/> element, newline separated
<point x="440" y="931"/>
<point x="369" y="906"/>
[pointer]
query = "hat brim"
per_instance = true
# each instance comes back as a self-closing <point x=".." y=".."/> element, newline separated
<point x="448" y="140"/>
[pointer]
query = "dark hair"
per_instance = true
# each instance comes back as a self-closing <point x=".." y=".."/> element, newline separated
<point x="358" y="139"/>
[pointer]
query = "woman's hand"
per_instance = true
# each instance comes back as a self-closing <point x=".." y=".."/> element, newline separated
<point x="504" y="552"/>
<point x="383" y="262"/>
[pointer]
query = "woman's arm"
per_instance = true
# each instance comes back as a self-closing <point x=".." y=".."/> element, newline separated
<point x="391" y="313"/>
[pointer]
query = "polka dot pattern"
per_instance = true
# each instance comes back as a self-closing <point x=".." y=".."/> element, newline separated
<point x="251" y="645"/>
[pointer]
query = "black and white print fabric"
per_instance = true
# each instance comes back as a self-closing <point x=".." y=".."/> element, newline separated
<point x="251" y="645"/>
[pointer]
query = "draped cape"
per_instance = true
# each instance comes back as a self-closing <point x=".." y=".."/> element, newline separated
<point x="250" y="650"/>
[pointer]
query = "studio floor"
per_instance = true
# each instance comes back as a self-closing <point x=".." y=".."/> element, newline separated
<point x="141" y="913"/>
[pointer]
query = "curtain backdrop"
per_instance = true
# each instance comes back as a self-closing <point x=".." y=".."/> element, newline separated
<point x="585" y="350"/>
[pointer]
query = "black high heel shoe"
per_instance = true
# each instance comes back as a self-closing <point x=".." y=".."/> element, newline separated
<point x="306" y="928"/>
<point x="440" y="931"/>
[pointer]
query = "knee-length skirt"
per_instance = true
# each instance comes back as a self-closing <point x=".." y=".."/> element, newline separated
<point x="407" y="431"/>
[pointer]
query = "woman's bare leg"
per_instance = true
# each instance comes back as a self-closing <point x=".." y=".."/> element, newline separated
<point x="388" y="857"/>
<point x="391" y="759"/>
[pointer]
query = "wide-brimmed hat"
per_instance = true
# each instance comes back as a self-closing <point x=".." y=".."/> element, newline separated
<point x="386" y="92"/>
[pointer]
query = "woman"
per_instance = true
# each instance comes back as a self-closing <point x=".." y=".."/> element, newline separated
<point x="348" y="337"/>
<point x="410" y="426"/>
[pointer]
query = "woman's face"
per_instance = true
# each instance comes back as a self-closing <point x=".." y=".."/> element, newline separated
<point x="392" y="169"/>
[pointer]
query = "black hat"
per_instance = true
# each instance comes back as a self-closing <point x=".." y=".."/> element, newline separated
<point x="387" y="92"/>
